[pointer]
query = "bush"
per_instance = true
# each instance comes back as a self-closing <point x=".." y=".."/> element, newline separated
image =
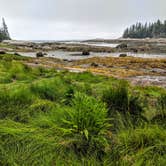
<point x="86" y="124"/>
<point x="117" y="98"/>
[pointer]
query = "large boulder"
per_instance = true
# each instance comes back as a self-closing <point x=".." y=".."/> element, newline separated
<point x="39" y="54"/>
<point x="94" y="64"/>
<point x="123" y="55"/>
<point x="2" y="52"/>
<point x="17" y="54"/>
<point x="85" y="53"/>
<point x="122" y="46"/>
<point x="135" y="50"/>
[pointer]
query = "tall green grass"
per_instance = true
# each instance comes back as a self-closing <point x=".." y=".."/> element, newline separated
<point x="62" y="118"/>
<point x="86" y="124"/>
<point x="139" y="146"/>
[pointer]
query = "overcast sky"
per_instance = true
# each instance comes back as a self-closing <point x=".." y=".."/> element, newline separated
<point x="76" y="19"/>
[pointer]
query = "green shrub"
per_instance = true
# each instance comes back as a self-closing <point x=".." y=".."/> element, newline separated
<point x="117" y="98"/>
<point x="86" y="124"/>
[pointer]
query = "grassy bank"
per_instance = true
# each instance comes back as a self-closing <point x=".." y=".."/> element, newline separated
<point x="61" y="118"/>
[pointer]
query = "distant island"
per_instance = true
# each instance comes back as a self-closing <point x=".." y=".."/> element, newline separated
<point x="147" y="30"/>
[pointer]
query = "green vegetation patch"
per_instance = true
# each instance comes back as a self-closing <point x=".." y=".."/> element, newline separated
<point x="62" y="118"/>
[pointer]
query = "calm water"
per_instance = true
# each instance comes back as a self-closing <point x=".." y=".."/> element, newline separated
<point x="75" y="55"/>
<point x="99" y="44"/>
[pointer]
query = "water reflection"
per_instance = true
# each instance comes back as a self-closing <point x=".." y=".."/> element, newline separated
<point x="77" y="55"/>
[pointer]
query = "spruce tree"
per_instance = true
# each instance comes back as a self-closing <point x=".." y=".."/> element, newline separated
<point x="4" y="33"/>
<point x="151" y="30"/>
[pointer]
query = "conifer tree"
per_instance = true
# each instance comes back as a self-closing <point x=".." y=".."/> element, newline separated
<point x="151" y="30"/>
<point x="4" y="33"/>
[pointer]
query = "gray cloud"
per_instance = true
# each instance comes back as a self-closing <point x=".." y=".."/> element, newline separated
<point x="67" y="19"/>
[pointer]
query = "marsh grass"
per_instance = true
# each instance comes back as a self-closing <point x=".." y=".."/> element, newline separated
<point x="62" y="118"/>
<point x="142" y="146"/>
<point x="87" y="122"/>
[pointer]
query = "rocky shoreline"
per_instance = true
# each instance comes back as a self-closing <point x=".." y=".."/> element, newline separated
<point x="139" y="71"/>
<point x="124" y="45"/>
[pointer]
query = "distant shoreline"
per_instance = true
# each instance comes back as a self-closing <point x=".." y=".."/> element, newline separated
<point x="163" y="40"/>
<point x="147" y="45"/>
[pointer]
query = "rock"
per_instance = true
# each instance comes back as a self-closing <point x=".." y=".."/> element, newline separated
<point x="46" y="47"/>
<point x="85" y="53"/>
<point x="134" y="50"/>
<point x="17" y="54"/>
<point x="122" y="46"/>
<point x="39" y="54"/>
<point x="2" y="52"/>
<point x="67" y="60"/>
<point x="44" y="53"/>
<point x="123" y="55"/>
<point x="94" y="64"/>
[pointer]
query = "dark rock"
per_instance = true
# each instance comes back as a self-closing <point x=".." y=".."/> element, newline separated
<point x="94" y="64"/>
<point x="17" y="54"/>
<point x="39" y="54"/>
<point x="67" y="60"/>
<point x="123" y="55"/>
<point x="134" y="50"/>
<point x="44" y="53"/>
<point x="85" y="53"/>
<point x="122" y="46"/>
<point x="2" y="52"/>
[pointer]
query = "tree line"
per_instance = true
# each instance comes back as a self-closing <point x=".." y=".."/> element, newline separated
<point x="4" y="33"/>
<point x="147" y="30"/>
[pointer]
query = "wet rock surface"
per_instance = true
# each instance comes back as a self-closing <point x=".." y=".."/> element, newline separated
<point x="148" y="80"/>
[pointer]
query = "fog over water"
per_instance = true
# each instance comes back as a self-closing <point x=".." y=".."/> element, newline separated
<point x="76" y="19"/>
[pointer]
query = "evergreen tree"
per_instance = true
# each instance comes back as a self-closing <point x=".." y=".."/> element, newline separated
<point x="151" y="30"/>
<point x="4" y="34"/>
